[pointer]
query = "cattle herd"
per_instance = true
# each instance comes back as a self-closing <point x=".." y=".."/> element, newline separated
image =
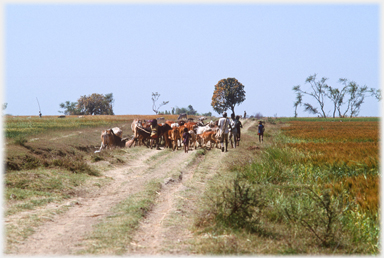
<point x="169" y="132"/>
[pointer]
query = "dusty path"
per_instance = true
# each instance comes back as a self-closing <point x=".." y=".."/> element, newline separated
<point x="63" y="234"/>
<point x="166" y="229"/>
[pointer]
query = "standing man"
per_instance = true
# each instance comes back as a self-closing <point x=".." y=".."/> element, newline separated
<point x="245" y="115"/>
<point x="224" y="124"/>
<point x="239" y="125"/>
<point x="233" y="130"/>
<point x="260" y="131"/>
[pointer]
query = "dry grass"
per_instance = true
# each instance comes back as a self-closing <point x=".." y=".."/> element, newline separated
<point x="294" y="176"/>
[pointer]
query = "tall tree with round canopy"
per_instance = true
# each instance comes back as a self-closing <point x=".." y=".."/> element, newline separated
<point x="227" y="94"/>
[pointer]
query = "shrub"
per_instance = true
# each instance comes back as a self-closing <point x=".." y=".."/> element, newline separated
<point x="319" y="214"/>
<point x="239" y="206"/>
<point x="20" y="140"/>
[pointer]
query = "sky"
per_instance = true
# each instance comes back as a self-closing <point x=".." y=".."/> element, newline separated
<point x="58" y="52"/>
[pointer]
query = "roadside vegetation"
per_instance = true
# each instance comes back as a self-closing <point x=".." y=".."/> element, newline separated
<point x="312" y="187"/>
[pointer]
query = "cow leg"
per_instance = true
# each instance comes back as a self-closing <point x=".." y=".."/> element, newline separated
<point x="102" y="146"/>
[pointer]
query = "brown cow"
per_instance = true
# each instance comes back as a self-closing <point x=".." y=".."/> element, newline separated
<point x="172" y="136"/>
<point x="192" y="141"/>
<point x="143" y="134"/>
<point x="108" y="140"/>
<point x="181" y="131"/>
<point x="190" y="125"/>
<point x="209" y="136"/>
<point x="163" y="132"/>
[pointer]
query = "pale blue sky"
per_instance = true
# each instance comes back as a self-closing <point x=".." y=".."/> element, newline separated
<point x="60" y="52"/>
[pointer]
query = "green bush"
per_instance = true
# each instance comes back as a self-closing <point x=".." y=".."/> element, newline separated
<point x="239" y="206"/>
<point x="320" y="214"/>
<point x="20" y="140"/>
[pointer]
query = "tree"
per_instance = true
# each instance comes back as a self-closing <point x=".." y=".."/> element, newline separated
<point x="336" y="96"/>
<point x="317" y="92"/>
<point x="191" y="111"/>
<point x="352" y="95"/>
<point x="207" y="114"/>
<point x="299" y="99"/>
<point x="69" y="108"/>
<point x="356" y="96"/>
<point x="375" y="93"/>
<point x="227" y="94"/>
<point x="155" y="97"/>
<point x="95" y="104"/>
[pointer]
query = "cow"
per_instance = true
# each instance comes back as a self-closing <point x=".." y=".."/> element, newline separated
<point x="163" y="132"/>
<point x="172" y="136"/>
<point x="136" y="123"/>
<point x="142" y="135"/>
<point x="190" y="125"/>
<point x="209" y="136"/>
<point x="111" y="138"/>
<point x="202" y="129"/>
<point x="192" y="141"/>
<point x="181" y="116"/>
<point x="181" y="131"/>
<point x="117" y="131"/>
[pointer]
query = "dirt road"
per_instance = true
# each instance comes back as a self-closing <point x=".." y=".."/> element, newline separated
<point x="163" y="231"/>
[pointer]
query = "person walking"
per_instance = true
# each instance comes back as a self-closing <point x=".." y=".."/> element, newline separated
<point x="261" y="131"/>
<point x="233" y="130"/>
<point x="186" y="137"/>
<point x="224" y="124"/>
<point x="154" y="134"/>
<point x="239" y="125"/>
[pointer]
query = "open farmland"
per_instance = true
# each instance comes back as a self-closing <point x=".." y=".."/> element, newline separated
<point x="310" y="188"/>
<point x="344" y="157"/>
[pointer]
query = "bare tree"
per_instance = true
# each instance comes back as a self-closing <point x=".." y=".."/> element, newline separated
<point x="299" y="99"/>
<point x="375" y="93"/>
<point x="318" y="92"/>
<point x="336" y="96"/>
<point x="155" y="97"/>
<point x="351" y="95"/>
<point x="356" y="97"/>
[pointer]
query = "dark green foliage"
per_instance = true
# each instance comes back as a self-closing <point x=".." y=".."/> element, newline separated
<point x="95" y="104"/>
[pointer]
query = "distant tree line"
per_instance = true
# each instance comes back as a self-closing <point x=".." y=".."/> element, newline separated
<point x="95" y="104"/>
<point x="346" y="101"/>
